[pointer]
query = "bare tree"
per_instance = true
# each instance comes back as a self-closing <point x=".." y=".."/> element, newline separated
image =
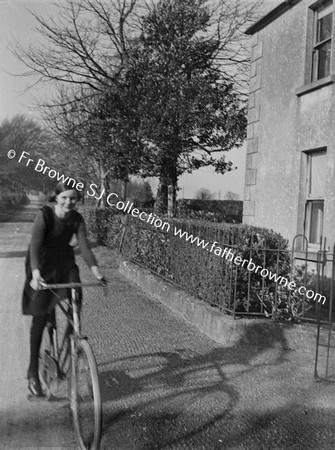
<point x="100" y="131"/>
<point x="22" y="134"/>
<point x="229" y="21"/>
<point x="204" y="194"/>
<point x="231" y="196"/>
<point x="83" y="52"/>
<point x="86" y="43"/>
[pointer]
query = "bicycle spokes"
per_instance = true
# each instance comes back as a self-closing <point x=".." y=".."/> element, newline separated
<point x="54" y="364"/>
<point x="49" y="373"/>
<point x="85" y="397"/>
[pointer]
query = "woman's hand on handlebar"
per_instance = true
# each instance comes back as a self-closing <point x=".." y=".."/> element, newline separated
<point x="37" y="280"/>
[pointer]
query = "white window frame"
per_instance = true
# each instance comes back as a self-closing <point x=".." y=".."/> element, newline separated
<point x="312" y="200"/>
<point x="319" y="13"/>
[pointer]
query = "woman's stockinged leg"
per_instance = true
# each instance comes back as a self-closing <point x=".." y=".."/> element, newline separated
<point x="36" y="332"/>
<point x="74" y="277"/>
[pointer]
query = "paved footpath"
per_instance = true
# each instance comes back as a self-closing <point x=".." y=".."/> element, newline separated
<point x="164" y="384"/>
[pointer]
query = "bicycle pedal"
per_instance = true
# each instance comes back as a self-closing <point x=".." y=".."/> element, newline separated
<point x="33" y="398"/>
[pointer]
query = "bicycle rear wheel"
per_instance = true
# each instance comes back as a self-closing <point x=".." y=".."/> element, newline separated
<point x="85" y="397"/>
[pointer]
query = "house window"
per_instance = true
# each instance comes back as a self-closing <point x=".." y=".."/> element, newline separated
<point x="322" y="43"/>
<point x="316" y="184"/>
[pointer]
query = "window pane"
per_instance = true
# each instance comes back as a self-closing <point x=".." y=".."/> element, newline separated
<point x="316" y="221"/>
<point x="317" y="174"/>
<point x="324" y="51"/>
<point x="324" y="28"/>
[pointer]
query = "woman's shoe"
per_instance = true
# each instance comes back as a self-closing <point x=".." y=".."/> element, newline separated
<point x="34" y="387"/>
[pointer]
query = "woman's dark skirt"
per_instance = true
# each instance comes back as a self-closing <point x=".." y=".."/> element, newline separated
<point x="58" y="267"/>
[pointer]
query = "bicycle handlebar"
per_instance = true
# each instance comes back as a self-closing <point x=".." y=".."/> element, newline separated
<point x="44" y="286"/>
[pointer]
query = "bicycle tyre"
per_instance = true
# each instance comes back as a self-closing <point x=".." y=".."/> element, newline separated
<point x="85" y="396"/>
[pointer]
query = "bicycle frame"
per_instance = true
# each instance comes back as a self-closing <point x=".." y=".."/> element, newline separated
<point x="72" y="316"/>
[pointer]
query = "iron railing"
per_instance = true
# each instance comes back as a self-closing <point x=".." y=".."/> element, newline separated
<point x="222" y="283"/>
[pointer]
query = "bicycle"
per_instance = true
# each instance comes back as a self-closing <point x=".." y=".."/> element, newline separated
<point x="73" y="360"/>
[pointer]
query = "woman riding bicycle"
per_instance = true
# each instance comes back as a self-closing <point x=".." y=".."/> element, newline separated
<point x="50" y="259"/>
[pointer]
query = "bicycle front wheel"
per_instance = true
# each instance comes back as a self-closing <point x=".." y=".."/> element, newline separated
<point x="48" y="369"/>
<point x="85" y="397"/>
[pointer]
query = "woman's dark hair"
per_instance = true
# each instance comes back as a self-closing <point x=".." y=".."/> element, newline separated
<point x="62" y="187"/>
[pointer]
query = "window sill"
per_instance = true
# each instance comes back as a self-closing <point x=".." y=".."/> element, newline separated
<point x="311" y="255"/>
<point x="310" y="87"/>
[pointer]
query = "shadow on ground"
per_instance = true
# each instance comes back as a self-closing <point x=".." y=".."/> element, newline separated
<point x="177" y="398"/>
<point x="15" y="254"/>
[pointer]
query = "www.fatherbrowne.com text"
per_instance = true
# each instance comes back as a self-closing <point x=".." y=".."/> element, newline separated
<point x="229" y="255"/>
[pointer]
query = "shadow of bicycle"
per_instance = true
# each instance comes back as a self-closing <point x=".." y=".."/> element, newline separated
<point x="174" y="396"/>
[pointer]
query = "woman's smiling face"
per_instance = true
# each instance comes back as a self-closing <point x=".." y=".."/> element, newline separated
<point x="66" y="201"/>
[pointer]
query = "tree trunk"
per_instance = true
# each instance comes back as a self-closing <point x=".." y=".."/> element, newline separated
<point x="162" y="196"/>
<point x="124" y="187"/>
<point x="167" y="188"/>
<point x="172" y="197"/>
<point x="172" y="200"/>
<point x="104" y="187"/>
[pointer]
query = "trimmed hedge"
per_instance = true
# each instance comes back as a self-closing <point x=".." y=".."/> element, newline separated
<point x="201" y="272"/>
<point x="229" y="211"/>
<point x="105" y="225"/>
<point x="210" y="277"/>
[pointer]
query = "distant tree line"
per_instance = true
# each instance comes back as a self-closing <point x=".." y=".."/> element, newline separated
<point x="23" y="134"/>
<point x="228" y="211"/>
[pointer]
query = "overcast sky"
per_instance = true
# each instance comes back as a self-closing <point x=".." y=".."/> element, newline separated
<point x="17" y="23"/>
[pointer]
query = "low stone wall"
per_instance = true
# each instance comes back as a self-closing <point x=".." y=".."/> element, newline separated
<point x="222" y="328"/>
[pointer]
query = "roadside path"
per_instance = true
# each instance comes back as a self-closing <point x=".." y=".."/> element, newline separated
<point x="23" y="424"/>
<point x="165" y="385"/>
